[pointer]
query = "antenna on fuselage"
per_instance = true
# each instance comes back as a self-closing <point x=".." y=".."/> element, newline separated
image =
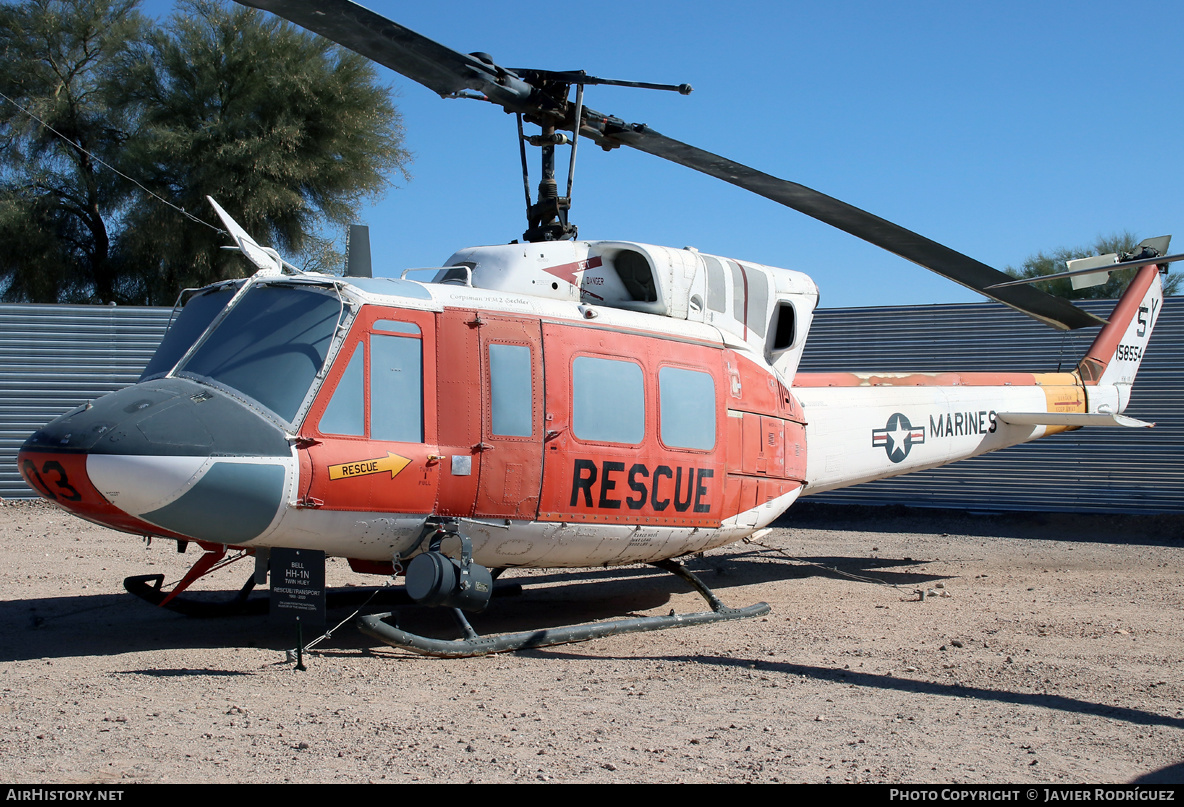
<point x="357" y="251"/>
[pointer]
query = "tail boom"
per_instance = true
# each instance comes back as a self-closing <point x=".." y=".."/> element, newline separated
<point x="866" y="426"/>
<point x="862" y="427"/>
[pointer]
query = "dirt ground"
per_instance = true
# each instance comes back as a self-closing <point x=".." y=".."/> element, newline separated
<point x="903" y="647"/>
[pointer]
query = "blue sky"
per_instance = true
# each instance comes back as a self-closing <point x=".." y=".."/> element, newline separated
<point x="999" y="129"/>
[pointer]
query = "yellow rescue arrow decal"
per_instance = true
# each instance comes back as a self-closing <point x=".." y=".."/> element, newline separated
<point x="391" y="462"/>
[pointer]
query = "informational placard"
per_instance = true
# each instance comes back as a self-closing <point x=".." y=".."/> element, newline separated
<point x="298" y="586"/>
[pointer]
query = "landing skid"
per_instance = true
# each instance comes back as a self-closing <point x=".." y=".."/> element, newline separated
<point x="476" y="645"/>
<point x="148" y="588"/>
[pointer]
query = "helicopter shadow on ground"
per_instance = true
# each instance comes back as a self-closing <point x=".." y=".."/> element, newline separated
<point x="1112" y="528"/>
<point x="1167" y="775"/>
<point x="753" y="567"/>
<point x="852" y="678"/>
<point x="111" y="624"/>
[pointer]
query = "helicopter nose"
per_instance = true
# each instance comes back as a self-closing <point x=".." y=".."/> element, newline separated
<point x="167" y="457"/>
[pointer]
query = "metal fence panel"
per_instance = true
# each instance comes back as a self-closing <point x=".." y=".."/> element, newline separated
<point x="54" y="357"/>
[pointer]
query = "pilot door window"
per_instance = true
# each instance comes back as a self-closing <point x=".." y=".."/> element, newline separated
<point x="511" y="395"/>
<point x="392" y="363"/>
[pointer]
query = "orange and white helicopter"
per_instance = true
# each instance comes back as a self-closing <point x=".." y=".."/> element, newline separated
<point x="545" y="404"/>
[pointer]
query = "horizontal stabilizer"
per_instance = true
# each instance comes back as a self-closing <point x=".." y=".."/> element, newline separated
<point x="1094" y="271"/>
<point x="1080" y="279"/>
<point x="1071" y="419"/>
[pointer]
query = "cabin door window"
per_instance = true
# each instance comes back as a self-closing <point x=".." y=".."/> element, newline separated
<point x="686" y="408"/>
<point x="608" y="400"/>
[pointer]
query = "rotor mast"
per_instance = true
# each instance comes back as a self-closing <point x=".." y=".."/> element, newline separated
<point x="547" y="218"/>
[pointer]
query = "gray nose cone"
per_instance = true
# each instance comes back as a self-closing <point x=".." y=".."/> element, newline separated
<point x="165" y="417"/>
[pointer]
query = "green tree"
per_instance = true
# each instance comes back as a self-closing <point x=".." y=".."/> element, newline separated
<point x="1043" y="263"/>
<point x="287" y="131"/>
<point x="60" y="63"/>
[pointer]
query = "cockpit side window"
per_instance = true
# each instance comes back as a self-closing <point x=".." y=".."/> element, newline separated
<point x="511" y="393"/>
<point x="346" y="412"/>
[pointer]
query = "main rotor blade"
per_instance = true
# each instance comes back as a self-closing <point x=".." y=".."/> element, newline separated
<point x="920" y="250"/>
<point x="448" y="72"/>
<point x="420" y="59"/>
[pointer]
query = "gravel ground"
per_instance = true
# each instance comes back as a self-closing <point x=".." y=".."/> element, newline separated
<point x="903" y="647"/>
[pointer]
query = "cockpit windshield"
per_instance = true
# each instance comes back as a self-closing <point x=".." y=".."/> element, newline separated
<point x="199" y="311"/>
<point x="271" y="345"/>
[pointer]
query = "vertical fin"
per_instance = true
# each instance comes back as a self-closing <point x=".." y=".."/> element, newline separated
<point x="1116" y="354"/>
